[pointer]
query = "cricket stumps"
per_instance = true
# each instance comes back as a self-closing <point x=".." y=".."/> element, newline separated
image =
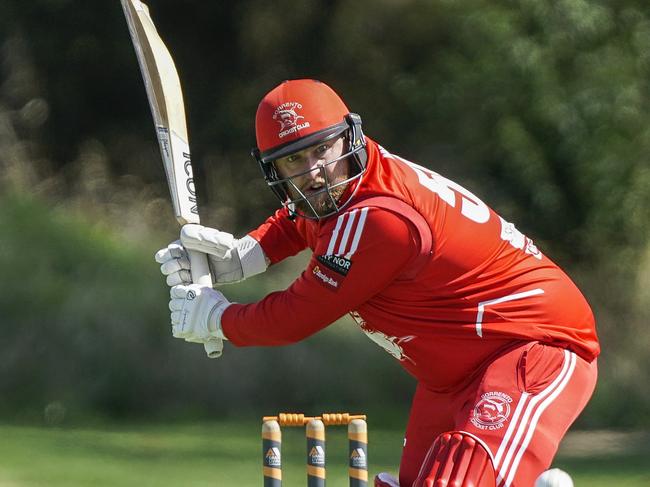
<point x="271" y="450"/>
<point x="358" y="452"/>
<point x="315" y="433"/>
<point x="316" y="446"/>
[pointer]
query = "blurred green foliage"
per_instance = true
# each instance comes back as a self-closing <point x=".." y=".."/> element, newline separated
<point x="85" y="329"/>
<point x="541" y="108"/>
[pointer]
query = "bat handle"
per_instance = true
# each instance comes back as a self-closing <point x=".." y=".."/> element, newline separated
<point x="201" y="275"/>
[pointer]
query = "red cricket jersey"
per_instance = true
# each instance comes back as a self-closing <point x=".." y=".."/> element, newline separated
<point x="427" y="270"/>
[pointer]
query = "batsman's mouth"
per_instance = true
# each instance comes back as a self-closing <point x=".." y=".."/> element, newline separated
<point x="314" y="190"/>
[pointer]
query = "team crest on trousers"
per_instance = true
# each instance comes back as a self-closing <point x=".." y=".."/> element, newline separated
<point x="491" y="411"/>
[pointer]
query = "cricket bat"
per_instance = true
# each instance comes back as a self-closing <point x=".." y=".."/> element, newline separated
<point x="166" y="101"/>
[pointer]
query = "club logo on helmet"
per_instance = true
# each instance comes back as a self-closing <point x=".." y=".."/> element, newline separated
<point x="287" y="116"/>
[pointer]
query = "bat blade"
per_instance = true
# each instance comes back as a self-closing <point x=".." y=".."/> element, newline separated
<point x="168" y="110"/>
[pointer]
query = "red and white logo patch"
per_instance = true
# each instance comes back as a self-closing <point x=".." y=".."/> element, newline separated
<point x="289" y="119"/>
<point x="492" y="411"/>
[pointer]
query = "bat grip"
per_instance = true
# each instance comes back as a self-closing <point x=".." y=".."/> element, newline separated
<point x="201" y="275"/>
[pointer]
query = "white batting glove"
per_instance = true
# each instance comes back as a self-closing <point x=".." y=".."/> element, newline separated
<point x="196" y="312"/>
<point x="174" y="264"/>
<point x="231" y="260"/>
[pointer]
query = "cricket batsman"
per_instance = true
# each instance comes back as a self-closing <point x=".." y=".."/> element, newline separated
<point x="501" y="341"/>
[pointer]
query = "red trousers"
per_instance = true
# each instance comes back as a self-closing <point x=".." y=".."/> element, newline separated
<point x="520" y="406"/>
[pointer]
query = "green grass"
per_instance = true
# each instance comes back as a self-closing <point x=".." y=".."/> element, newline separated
<point x="204" y="454"/>
<point x="226" y="454"/>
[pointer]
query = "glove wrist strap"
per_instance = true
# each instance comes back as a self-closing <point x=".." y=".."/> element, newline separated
<point x="214" y="320"/>
<point x="252" y="258"/>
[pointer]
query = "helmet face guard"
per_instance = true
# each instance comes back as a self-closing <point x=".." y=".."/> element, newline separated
<point x="283" y="188"/>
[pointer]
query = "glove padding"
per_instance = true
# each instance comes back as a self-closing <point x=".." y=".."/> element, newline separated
<point x="231" y="260"/>
<point x="175" y="264"/>
<point x="196" y="312"/>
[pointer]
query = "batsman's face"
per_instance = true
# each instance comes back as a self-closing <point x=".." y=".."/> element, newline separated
<point x="313" y="173"/>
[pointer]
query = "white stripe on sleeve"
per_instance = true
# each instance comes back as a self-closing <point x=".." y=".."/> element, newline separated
<point x="335" y="234"/>
<point x="357" y="234"/>
<point x="346" y="232"/>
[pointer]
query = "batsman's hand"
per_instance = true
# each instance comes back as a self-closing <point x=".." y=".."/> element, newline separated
<point x="196" y="312"/>
<point x="231" y="260"/>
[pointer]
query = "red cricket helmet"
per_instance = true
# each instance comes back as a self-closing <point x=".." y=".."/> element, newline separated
<point x="298" y="114"/>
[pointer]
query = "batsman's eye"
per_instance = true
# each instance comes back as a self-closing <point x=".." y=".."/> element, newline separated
<point x="292" y="159"/>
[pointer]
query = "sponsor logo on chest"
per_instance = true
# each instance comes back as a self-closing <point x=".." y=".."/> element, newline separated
<point x="337" y="263"/>
<point x="324" y="278"/>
